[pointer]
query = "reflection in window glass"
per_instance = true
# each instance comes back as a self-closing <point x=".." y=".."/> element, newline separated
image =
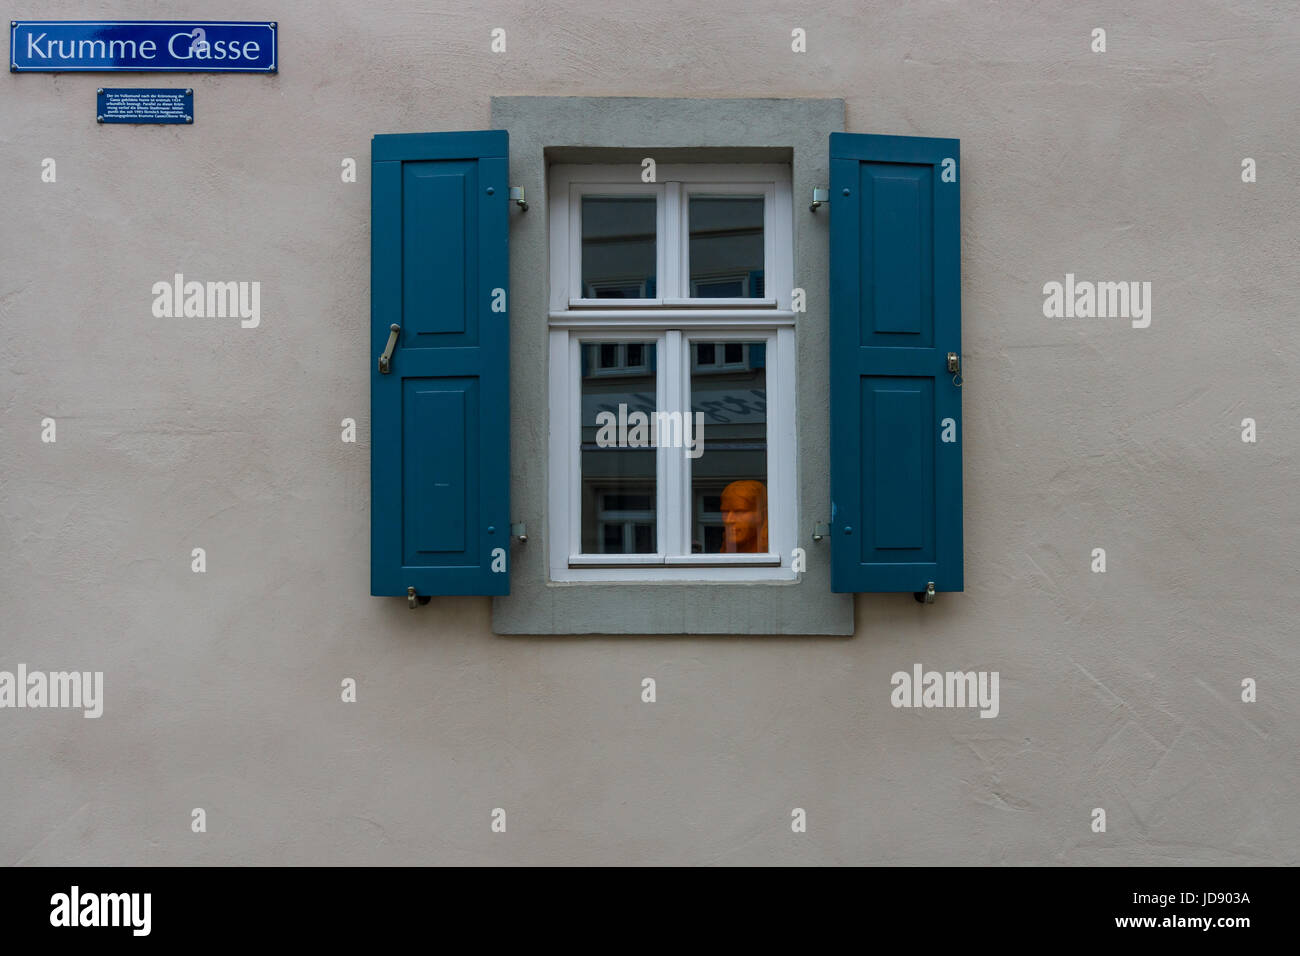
<point x="618" y="457"/>
<point x="618" y="247"/>
<point x="726" y="247"/>
<point x="729" y="480"/>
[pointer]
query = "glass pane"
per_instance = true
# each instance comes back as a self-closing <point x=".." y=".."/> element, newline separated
<point x="618" y="247"/>
<point x="726" y="247"/>
<point x="729" y="506"/>
<point x="617" y="454"/>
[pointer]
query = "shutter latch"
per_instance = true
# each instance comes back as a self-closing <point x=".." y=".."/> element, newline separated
<point x="386" y="360"/>
<point x="926" y="596"/>
<point x="412" y="597"/>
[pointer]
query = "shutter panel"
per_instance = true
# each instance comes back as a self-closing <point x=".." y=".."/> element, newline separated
<point x="439" y="460"/>
<point x="895" y="304"/>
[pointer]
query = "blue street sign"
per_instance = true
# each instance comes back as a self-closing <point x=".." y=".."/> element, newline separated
<point x="142" y="46"/>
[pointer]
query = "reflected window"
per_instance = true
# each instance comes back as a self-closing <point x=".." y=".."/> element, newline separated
<point x="617" y="453"/>
<point x="729" y="479"/>
<point x="726" y="246"/>
<point x="618" y="247"/>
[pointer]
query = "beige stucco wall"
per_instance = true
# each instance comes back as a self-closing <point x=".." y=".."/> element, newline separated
<point x="1118" y="690"/>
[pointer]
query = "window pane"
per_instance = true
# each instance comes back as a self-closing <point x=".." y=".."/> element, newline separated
<point x="726" y="247"/>
<point x="729" y="507"/>
<point x="618" y="247"/>
<point x="618" y="464"/>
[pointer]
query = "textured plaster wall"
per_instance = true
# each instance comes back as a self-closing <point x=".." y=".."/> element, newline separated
<point x="1118" y="690"/>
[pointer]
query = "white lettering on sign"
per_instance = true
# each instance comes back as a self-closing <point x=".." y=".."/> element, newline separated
<point x="77" y="49"/>
<point x="145" y="104"/>
<point x="186" y="46"/>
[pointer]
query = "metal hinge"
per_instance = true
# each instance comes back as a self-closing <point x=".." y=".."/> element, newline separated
<point x="821" y="196"/>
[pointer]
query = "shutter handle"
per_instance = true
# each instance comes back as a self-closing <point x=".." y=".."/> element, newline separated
<point x="386" y="360"/>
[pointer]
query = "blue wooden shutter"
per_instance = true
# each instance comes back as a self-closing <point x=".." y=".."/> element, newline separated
<point x="895" y="303"/>
<point x="439" y="461"/>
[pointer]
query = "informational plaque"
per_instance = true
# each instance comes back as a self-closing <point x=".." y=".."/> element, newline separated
<point x="144" y="105"/>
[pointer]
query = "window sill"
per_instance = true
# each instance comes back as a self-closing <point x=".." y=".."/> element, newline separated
<point x="681" y="574"/>
<point x="675" y="318"/>
<point x="651" y="561"/>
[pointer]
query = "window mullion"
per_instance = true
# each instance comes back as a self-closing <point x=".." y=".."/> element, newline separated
<point x="782" y="444"/>
<point x="574" y="284"/>
<point x="573" y="439"/>
<point x="670" y="266"/>
<point x="687" y="463"/>
<point x="668" y="459"/>
<point x="780" y="270"/>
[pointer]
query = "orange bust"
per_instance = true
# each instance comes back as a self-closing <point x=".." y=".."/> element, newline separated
<point x="744" y="517"/>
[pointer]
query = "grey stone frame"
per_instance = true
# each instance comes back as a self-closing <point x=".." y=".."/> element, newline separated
<point x="547" y="129"/>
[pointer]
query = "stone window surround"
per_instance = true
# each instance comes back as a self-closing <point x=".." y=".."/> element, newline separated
<point x="545" y="130"/>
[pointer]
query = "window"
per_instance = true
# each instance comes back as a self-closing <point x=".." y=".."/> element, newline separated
<point x="672" y="452"/>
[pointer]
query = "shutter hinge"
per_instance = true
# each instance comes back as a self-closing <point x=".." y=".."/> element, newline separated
<point x="517" y="530"/>
<point x="517" y="197"/>
<point x="820" y="530"/>
<point x="821" y="196"/>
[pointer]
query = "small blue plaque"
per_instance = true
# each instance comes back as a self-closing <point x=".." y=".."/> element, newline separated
<point x="143" y="46"/>
<point x="147" y="105"/>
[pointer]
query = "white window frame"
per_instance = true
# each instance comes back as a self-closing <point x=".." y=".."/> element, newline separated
<point x="671" y="321"/>
<point x="633" y="188"/>
<point x="680" y="195"/>
<point x="568" y="183"/>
